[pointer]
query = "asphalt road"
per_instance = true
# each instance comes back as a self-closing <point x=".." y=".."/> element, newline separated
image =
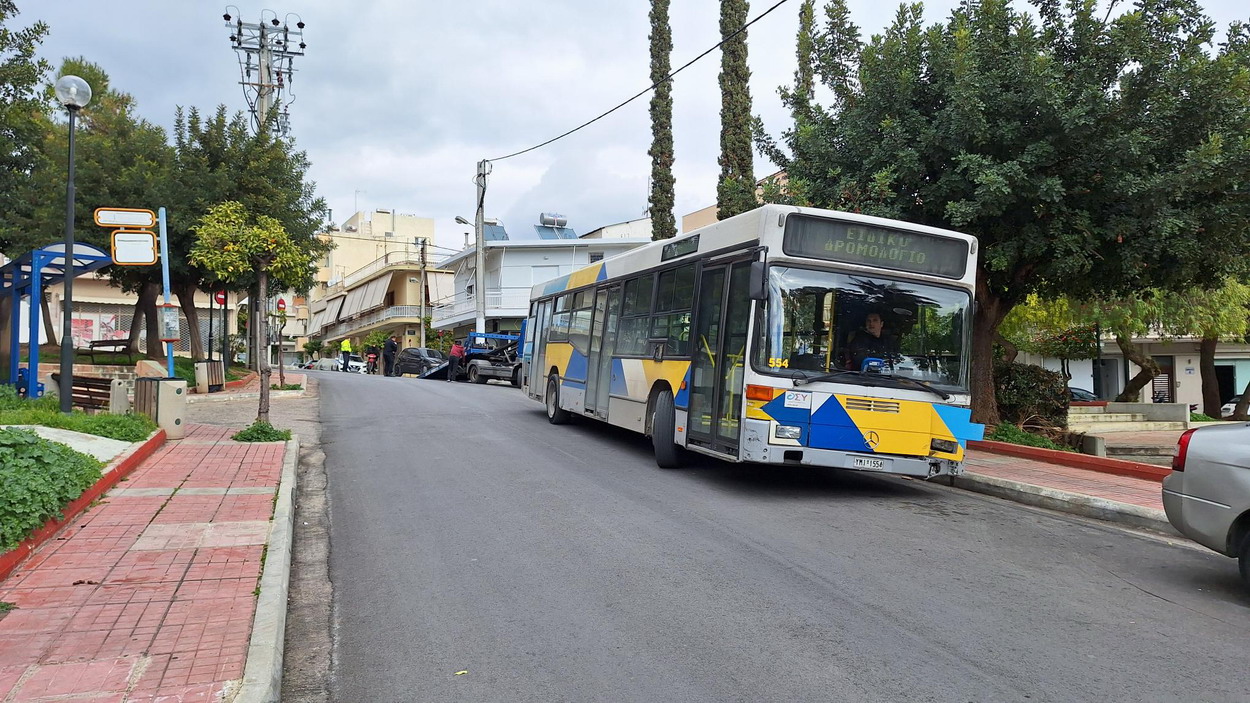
<point x="553" y="563"/>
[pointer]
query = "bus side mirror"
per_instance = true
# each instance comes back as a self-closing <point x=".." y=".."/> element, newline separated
<point x="758" y="281"/>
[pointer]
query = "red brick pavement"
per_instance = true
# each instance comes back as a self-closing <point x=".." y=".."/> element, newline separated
<point x="1122" y="489"/>
<point x="149" y="595"/>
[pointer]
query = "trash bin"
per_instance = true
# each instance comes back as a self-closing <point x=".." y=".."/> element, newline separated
<point x="165" y="401"/>
<point x="210" y="376"/>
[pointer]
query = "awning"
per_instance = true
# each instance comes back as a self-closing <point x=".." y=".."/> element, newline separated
<point x="351" y="303"/>
<point x="442" y="286"/>
<point x="374" y="294"/>
<point x="332" y="311"/>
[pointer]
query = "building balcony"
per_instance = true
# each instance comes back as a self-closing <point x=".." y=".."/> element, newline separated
<point x="346" y="328"/>
<point x="509" y="302"/>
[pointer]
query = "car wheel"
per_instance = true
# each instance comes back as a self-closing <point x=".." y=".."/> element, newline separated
<point x="516" y="377"/>
<point x="1243" y="559"/>
<point x="663" y="427"/>
<point x="555" y="414"/>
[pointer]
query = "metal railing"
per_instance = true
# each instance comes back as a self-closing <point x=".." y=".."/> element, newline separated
<point x="340" y="329"/>
<point x="392" y="258"/>
<point x="511" y="301"/>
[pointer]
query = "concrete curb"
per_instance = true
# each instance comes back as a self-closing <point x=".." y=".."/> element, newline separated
<point x="1105" y="465"/>
<point x="262" y="676"/>
<point x="1064" y="501"/>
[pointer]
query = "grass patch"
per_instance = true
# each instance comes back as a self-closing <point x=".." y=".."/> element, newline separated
<point x="6" y="606"/>
<point x="287" y="387"/>
<point x="46" y="411"/>
<point x="1199" y="417"/>
<point x="262" y="432"/>
<point x="1007" y="432"/>
<point x="38" y="478"/>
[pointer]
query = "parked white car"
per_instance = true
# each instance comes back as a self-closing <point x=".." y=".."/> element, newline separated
<point x="1228" y="408"/>
<point x="355" y="364"/>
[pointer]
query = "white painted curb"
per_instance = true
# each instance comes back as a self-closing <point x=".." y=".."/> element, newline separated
<point x="262" y="676"/>
<point x="1064" y="501"/>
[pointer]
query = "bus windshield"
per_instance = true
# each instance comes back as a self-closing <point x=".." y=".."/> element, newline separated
<point x="820" y="322"/>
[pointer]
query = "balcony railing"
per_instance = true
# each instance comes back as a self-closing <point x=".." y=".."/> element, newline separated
<point x="511" y="301"/>
<point x="392" y="258"/>
<point x="346" y="327"/>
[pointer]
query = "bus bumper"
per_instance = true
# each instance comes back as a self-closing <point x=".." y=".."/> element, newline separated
<point x="757" y="449"/>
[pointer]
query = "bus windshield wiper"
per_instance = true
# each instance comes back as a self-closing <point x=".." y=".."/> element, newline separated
<point x="828" y="377"/>
<point x="926" y="386"/>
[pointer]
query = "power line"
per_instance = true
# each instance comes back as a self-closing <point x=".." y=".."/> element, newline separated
<point x="648" y="89"/>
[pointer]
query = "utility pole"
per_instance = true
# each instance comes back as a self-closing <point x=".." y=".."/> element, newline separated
<point x="267" y="51"/>
<point x="423" y="242"/>
<point x="479" y="259"/>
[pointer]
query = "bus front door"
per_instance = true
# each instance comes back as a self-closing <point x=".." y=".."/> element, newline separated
<point x="721" y="322"/>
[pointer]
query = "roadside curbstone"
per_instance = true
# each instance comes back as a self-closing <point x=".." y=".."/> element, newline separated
<point x="1068" y="502"/>
<point x="262" y="675"/>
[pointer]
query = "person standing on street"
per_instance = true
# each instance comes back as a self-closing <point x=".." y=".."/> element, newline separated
<point x="345" y="350"/>
<point x="389" y="350"/>
<point x="454" y="357"/>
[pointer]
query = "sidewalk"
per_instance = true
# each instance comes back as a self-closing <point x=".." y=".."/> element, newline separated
<point x="149" y="595"/>
<point x="1105" y="496"/>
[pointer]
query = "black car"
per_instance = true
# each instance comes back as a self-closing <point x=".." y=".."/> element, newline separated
<point x="1081" y="395"/>
<point x="418" y="360"/>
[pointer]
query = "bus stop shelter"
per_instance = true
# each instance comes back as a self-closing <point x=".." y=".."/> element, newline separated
<point x="27" y="277"/>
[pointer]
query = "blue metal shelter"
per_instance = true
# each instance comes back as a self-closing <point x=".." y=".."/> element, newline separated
<point x="28" y="276"/>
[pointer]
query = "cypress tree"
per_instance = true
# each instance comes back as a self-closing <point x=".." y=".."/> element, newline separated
<point x="735" y="193"/>
<point x="663" y="225"/>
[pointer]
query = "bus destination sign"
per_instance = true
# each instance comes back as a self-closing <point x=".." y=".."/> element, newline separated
<point x="865" y="245"/>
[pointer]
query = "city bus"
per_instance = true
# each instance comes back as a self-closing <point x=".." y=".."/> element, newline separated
<point x="783" y="335"/>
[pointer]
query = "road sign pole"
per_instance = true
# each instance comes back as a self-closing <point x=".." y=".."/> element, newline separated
<point x="169" y="348"/>
<point x="211" y="310"/>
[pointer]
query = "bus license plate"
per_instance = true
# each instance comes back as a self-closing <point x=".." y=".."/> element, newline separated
<point x="861" y="462"/>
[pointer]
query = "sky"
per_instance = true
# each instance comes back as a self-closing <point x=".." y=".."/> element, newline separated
<point x="395" y="101"/>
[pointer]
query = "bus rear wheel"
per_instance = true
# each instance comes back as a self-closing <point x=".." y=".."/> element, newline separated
<point x="663" y="428"/>
<point x="555" y="414"/>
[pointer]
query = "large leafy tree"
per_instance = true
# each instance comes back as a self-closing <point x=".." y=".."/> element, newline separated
<point x="21" y="105"/>
<point x="122" y="161"/>
<point x="217" y="160"/>
<point x="235" y="246"/>
<point x="735" y="193"/>
<point x="663" y="225"/>
<point x="1089" y="157"/>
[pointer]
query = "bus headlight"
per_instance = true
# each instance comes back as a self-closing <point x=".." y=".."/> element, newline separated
<point x="945" y="446"/>
<point x="789" y="432"/>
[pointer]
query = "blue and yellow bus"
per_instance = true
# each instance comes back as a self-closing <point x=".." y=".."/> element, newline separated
<point x="784" y="335"/>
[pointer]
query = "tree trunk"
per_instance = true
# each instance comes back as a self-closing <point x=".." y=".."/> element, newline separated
<point x="49" y="328"/>
<point x="990" y="311"/>
<point x="262" y="356"/>
<point x="1210" y="386"/>
<point x="186" y="300"/>
<point x="1243" y="405"/>
<point x="1149" y="369"/>
<point x="1010" y="351"/>
<point x="151" y="324"/>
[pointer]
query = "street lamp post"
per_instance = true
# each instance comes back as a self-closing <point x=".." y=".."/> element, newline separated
<point x="74" y="94"/>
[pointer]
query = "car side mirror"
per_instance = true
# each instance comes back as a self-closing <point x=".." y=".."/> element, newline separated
<point x="757" y="282"/>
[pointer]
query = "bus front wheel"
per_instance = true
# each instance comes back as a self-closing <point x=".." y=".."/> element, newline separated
<point x="555" y="414"/>
<point x="663" y="428"/>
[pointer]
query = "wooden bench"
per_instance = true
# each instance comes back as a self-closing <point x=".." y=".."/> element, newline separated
<point x="89" y="392"/>
<point x="117" y="345"/>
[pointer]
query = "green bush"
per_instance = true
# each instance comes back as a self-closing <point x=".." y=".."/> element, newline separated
<point x="262" y="432"/>
<point x="46" y="411"/>
<point x="1199" y="417"/>
<point x="1007" y="432"/>
<point x="38" y="478"/>
<point x="1026" y="393"/>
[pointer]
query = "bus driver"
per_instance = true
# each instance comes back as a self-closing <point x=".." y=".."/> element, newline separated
<point x="871" y="342"/>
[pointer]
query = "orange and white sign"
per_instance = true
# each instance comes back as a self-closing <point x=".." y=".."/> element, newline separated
<point x="134" y="247"/>
<point x="124" y="217"/>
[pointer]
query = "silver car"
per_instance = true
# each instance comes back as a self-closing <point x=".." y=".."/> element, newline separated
<point x="1207" y="495"/>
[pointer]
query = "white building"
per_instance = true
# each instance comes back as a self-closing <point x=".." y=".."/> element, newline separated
<point x="516" y="261"/>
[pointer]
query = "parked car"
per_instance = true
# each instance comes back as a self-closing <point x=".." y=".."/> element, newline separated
<point x="1207" y="495"/>
<point x="1230" y="407"/>
<point x="354" y="363"/>
<point x="1081" y="395"/>
<point x="418" y="360"/>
